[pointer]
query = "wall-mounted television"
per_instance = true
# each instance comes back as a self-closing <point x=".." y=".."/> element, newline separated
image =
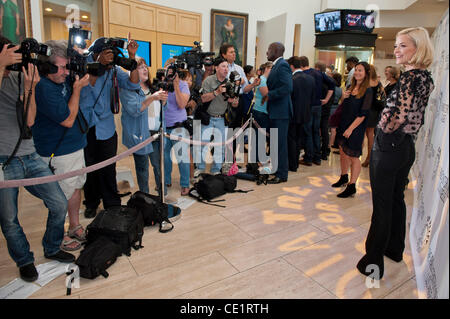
<point x="355" y="20"/>
<point x="328" y="21"/>
<point x="170" y="50"/>
<point x="144" y="51"/>
<point x="345" y="20"/>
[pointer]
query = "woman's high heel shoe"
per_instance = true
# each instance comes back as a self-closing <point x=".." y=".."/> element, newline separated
<point x="342" y="181"/>
<point x="350" y="190"/>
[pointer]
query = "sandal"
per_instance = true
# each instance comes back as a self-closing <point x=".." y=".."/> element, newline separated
<point x="67" y="244"/>
<point x="74" y="233"/>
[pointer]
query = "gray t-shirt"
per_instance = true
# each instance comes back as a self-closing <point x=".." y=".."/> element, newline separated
<point x="9" y="128"/>
<point x="219" y="105"/>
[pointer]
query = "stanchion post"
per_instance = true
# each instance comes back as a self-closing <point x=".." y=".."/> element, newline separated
<point x="161" y="156"/>
<point x="249" y="140"/>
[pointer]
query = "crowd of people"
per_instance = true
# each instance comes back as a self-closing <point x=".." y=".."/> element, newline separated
<point x="312" y="110"/>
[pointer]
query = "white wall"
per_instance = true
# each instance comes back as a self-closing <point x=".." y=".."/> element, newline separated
<point x="269" y="31"/>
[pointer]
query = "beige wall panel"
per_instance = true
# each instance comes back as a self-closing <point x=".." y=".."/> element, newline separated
<point x="144" y="17"/>
<point x="166" y="21"/>
<point x="189" y="24"/>
<point x="119" y="12"/>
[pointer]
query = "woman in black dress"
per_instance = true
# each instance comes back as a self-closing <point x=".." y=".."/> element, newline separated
<point x="393" y="151"/>
<point x="352" y="126"/>
<point x="379" y="98"/>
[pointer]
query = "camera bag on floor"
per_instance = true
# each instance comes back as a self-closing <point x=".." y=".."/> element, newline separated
<point x="123" y="225"/>
<point x="213" y="186"/>
<point x="152" y="210"/>
<point x="96" y="257"/>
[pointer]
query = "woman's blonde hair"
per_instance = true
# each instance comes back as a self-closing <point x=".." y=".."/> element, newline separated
<point x="424" y="50"/>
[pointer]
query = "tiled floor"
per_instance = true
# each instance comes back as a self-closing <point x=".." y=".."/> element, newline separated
<point x="292" y="240"/>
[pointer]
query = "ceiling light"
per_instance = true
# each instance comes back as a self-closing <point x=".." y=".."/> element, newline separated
<point x="48" y="9"/>
<point x="380" y="37"/>
<point x="85" y="17"/>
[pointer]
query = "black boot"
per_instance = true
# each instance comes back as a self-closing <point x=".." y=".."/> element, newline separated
<point x="371" y="267"/>
<point x="350" y="190"/>
<point x="342" y="181"/>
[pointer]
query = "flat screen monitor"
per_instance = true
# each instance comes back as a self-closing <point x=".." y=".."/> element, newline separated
<point x="328" y="21"/>
<point x="170" y="50"/>
<point x="354" y="20"/>
<point x="144" y="51"/>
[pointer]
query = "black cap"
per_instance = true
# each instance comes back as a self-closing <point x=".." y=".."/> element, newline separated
<point x="98" y="45"/>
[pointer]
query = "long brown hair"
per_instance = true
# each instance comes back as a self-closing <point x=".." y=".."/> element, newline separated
<point x="365" y="83"/>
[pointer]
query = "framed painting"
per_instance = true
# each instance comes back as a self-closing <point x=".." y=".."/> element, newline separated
<point x="232" y="28"/>
<point x="15" y="20"/>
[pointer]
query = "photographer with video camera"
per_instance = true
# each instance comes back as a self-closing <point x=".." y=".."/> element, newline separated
<point x="215" y="92"/>
<point x="102" y="95"/>
<point x="175" y="117"/>
<point x="19" y="160"/>
<point x="59" y="132"/>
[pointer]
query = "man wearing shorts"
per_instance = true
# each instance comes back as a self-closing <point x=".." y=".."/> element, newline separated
<point x="59" y="133"/>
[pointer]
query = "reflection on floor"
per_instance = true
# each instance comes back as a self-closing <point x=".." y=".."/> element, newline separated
<point x="291" y="240"/>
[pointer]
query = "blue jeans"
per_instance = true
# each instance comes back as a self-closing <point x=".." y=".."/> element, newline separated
<point x="181" y="155"/>
<point x="30" y="166"/>
<point x="219" y="152"/>
<point x="312" y="135"/>
<point x="141" y="164"/>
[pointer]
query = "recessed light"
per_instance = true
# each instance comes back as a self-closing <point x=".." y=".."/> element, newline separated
<point x="85" y="17"/>
<point x="380" y="37"/>
<point x="48" y="9"/>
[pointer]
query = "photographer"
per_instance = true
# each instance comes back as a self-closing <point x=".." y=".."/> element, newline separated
<point x="174" y="116"/>
<point x="141" y="119"/>
<point x="26" y="163"/>
<point x="213" y="88"/>
<point x="102" y="136"/>
<point x="58" y="132"/>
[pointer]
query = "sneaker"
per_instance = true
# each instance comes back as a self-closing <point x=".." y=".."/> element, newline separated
<point x="62" y="257"/>
<point x="28" y="273"/>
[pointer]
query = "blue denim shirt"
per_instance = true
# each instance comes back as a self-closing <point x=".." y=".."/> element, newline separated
<point x="134" y="122"/>
<point x="101" y="116"/>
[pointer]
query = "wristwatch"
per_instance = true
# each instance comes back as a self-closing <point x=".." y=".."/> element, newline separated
<point x="215" y="94"/>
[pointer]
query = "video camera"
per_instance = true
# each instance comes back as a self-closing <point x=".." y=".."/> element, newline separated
<point x="114" y="44"/>
<point x="232" y="86"/>
<point x="164" y="77"/>
<point x="195" y="58"/>
<point x="78" y="64"/>
<point x="30" y="49"/>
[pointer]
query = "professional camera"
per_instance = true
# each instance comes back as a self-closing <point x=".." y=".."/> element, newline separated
<point x="114" y="44"/>
<point x="164" y="78"/>
<point x="78" y="64"/>
<point x="195" y="58"/>
<point x="232" y="86"/>
<point x="30" y="49"/>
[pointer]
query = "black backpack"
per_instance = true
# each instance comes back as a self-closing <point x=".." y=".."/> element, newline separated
<point x="123" y="225"/>
<point x="213" y="186"/>
<point x="152" y="210"/>
<point x="96" y="257"/>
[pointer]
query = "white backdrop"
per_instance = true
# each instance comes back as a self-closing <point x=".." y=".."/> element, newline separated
<point x="429" y="233"/>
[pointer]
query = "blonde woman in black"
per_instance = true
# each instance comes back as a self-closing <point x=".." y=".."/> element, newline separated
<point x="393" y="151"/>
